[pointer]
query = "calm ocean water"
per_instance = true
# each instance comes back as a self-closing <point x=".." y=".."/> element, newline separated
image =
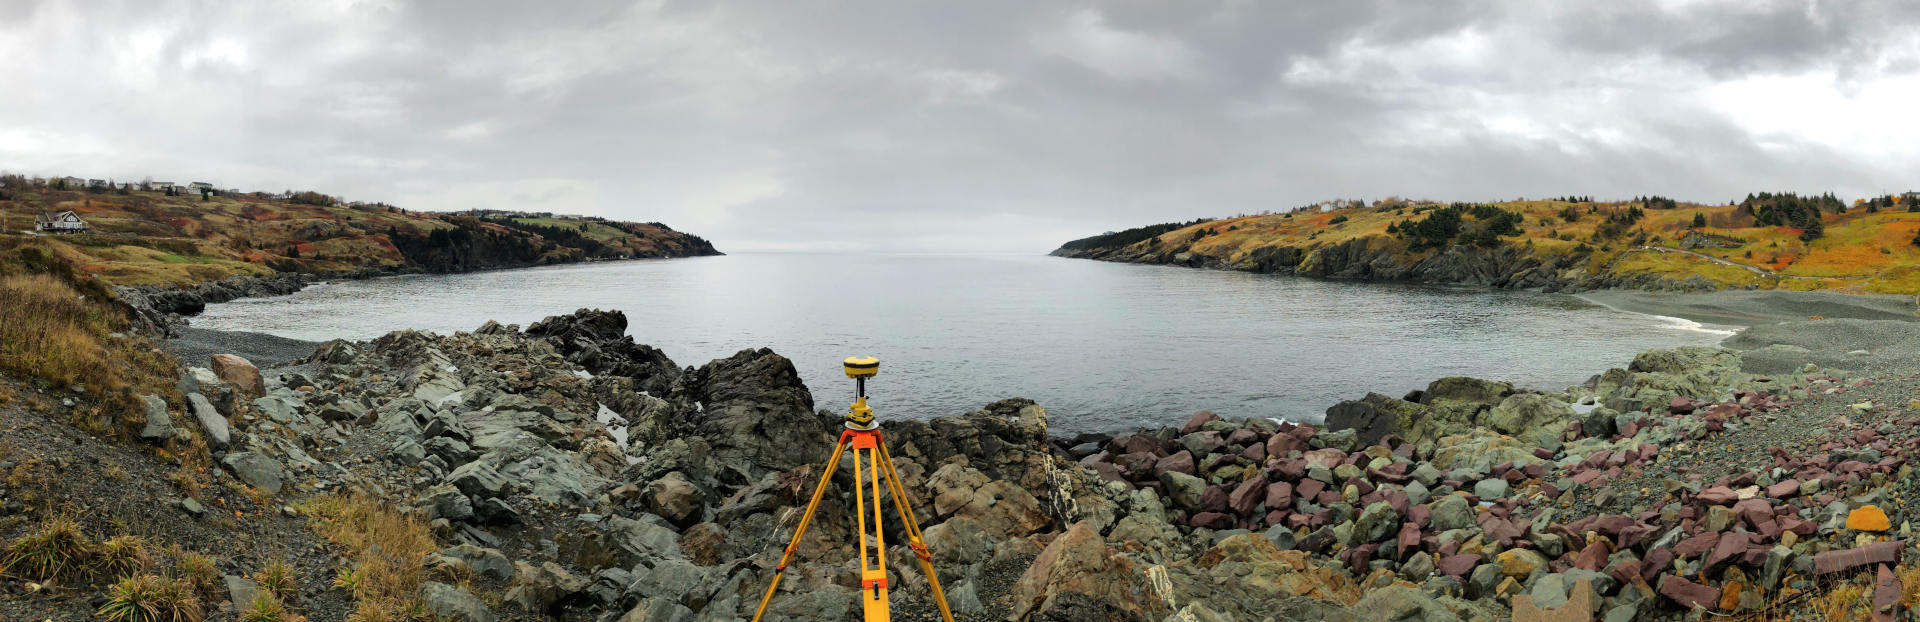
<point x="1101" y="345"/>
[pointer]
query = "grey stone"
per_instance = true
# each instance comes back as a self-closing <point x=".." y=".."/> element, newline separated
<point x="1490" y="489"/>
<point x="1183" y="489"/>
<point x="1550" y="592"/>
<point x="256" y="470"/>
<point x="660" y="610"/>
<point x="1376" y="523"/>
<point x="159" y="426"/>
<point x="241" y="590"/>
<point x="448" y="502"/>
<point x="480" y="560"/>
<point x="478" y="480"/>
<point x="454" y="604"/>
<point x="215" y="424"/>
<point x="1451" y="512"/>
<point x="1280" y="536"/>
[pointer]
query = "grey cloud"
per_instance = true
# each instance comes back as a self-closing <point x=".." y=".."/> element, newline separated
<point x="1000" y="125"/>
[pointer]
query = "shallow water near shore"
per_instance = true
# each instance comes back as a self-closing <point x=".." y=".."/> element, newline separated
<point x="1103" y="346"/>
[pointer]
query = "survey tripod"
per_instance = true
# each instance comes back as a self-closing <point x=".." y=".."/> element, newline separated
<point x="863" y="436"/>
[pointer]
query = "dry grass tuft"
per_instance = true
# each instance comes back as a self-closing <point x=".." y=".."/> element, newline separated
<point x="59" y="550"/>
<point x="386" y="550"/>
<point x="122" y="556"/>
<point x="266" y="608"/>
<point x="198" y="571"/>
<point x="147" y="598"/>
<point x="278" y="577"/>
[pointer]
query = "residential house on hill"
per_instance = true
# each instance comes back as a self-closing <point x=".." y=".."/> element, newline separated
<point x="59" y="222"/>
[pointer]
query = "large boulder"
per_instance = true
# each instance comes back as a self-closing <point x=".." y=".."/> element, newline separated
<point x="1523" y="412"/>
<point x="240" y="373"/>
<point x="454" y="604"/>
<point x="598" y="341"/>
<point x="1078" y="578"/>
<point x="755" y="414"/>
<point x="1376" y="416"/>
<point x="257" y="470"/>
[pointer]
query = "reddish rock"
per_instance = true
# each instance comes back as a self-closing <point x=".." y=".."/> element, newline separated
<point x="1717" y="495"/>
<point x="1276" y="517"/>
<point x="1876" y="553"/>
<point x="1287" y="468"/>
<point x="1134" y="443"/>
<point x="1420" y="515"/>
<point x="1594" y="557"/>
<point x="1181" y="462"/>
<point x="1212" y="520"/>
<point x="1255" y="453"/>
<point x="1502" y="530"/>
<point x="1138" y="464"/>
<point x="1784" y="489"/>
<point x="1689" y="594"/>
<point x="1886" y="593"/>
<point x="1731" y="544"/>
<point x="1198" y="419"/>
<point x="240" y="373"/>
<point x="1698" y="544"/>
<point x="1280" y="444"/>
<point x="1408" y="540"/>
<point x="1457" y="565"/>
<point x="1248" y="495"/>
<point x="1279" y="496"/>
<point x="1681" y="405"/>
<point x="1656" y="562"/>
<point x="1243" y="436"/>
<point x="1309" y="488"/>
<point x="1214" y="499"/>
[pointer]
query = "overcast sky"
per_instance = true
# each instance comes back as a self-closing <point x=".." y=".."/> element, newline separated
<point x="975" y="126"/>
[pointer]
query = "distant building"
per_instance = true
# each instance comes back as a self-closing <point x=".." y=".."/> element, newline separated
<point x="200" y="185"/>
<point x="96" y="183"/>
<point x="162" y="186"/>
<point x="59" y="222"/>
<point x="73" y="182"/>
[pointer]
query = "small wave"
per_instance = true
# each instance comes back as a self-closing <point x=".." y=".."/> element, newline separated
<point x="1679" y="323"/>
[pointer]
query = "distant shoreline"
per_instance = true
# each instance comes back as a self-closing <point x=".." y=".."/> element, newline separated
<point x="1755" y="308"/>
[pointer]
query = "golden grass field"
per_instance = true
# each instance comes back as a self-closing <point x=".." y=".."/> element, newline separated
<point x="1861" y="252"/>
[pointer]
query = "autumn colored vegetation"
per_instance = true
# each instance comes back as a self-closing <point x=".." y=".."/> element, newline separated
<point x="1797" y="241"/>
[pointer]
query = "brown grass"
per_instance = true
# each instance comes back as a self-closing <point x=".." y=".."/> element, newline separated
<point x="56" y="326"/>
<point x="385" y="547"/>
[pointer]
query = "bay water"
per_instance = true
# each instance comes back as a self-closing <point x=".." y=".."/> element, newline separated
<point x="1102" y="346"/>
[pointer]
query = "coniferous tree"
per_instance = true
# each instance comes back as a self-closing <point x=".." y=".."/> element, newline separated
<point x="1699" y="220"/>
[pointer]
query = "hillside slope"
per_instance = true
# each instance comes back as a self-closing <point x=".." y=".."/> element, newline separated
<point x="150" y="238"/>
<point x="1650" y="243"/>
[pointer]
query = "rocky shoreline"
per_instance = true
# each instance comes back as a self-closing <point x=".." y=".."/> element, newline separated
<point x="588" y="477"/>
<point x="1377" y="259"/>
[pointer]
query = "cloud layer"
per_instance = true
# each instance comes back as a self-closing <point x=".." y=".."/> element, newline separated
<point x="967" y="127"/>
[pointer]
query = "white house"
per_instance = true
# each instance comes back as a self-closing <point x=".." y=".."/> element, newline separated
<point x="162" y="186"/>
<point x="59" y="222"/>
<point x="73" y="183"/>
<point x="200" y="185"/>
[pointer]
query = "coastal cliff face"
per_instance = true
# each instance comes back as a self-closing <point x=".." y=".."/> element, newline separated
<point x="1377" y="258"/>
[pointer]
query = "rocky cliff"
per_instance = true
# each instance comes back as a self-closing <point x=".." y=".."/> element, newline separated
<point x="1377" y="258"/>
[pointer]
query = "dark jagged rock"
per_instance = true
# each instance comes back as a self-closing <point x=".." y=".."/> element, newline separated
<point x="598" y="341"/>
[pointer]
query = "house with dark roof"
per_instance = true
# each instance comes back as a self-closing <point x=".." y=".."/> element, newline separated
<point x="59" y="222"/>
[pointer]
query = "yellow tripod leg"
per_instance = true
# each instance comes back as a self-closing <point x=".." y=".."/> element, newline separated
<point x="873" y="579"/>
<point x="912" y="527"/>
<point x="819" y="490"/>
